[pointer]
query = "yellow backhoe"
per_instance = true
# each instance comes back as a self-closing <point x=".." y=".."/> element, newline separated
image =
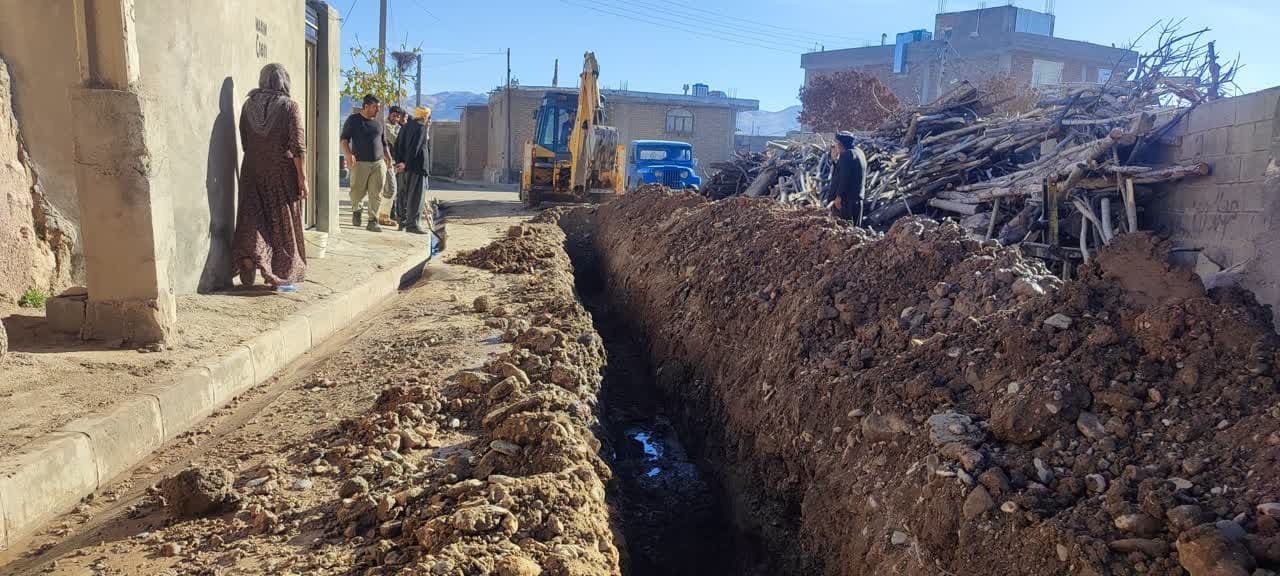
<point x="572" y="157"/>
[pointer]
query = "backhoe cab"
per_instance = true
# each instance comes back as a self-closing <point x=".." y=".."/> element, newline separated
<point x="572" y="158"/>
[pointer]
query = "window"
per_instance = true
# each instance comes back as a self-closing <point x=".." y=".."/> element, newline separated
<point x="660" y="154"/>
<point x="680" y="121"/>
<point x="1104" y="74"/>
<point x="1046" y="73"/>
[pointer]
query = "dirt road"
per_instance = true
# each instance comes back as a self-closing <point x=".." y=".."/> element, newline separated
<point x="269" y="437"/>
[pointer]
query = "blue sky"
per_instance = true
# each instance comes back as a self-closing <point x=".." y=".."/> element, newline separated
<point x="748" y="48"/>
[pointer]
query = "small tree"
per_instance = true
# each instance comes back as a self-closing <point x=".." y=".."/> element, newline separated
<point x="363" y="77"/>
<point x="846" y="100"/>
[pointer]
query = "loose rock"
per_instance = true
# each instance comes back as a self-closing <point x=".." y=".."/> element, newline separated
<point x="1205" y="551"/>
<point x="199" y="491"/>
<point x="978" y="502"/>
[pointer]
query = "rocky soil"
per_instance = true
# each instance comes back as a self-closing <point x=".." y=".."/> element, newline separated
<point x="926" y="403"/>
<point x="526" y="496"/>
<point x="451" y="435"/>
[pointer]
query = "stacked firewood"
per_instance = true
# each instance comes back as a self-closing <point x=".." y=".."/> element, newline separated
<point x="1072" y="170"/>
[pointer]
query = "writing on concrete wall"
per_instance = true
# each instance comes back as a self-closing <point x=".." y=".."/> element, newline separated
<point x="261" y="44"/>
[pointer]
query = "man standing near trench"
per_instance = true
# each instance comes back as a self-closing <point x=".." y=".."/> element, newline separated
<point x="847" y="180"/>
<point x="393" y="182"/>
<point x="414" y="163"/>
<point x="365" y="144"/>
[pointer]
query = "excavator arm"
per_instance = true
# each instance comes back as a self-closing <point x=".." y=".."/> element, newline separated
<point x="587" y="119"/>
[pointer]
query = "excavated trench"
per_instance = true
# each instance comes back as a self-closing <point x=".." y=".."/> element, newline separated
<point x="675" y="514"/>
<point x="788" y="395"/>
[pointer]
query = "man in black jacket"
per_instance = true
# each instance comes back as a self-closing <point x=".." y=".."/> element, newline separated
<point x="415" y="164"/>
<point x="847" y="179"/>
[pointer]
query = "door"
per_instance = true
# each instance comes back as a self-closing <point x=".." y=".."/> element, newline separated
<point x="311" y="116"/>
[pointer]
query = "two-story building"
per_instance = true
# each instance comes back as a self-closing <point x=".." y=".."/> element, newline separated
<point x="975" y="45"/>
<point x="706" y="119"/>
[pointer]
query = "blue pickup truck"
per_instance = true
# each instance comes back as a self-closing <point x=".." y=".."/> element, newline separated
<point x="661" y="162"/>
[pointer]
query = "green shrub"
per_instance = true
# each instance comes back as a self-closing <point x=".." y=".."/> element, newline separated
<point x="33" y="298"/>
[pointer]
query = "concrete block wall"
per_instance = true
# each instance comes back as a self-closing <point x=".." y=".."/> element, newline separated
<point x="1233" y="215"/>
<point x="473" y="143"/>
<point x="444" y="148"/>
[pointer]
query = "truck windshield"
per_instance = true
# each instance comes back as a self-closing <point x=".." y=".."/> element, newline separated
<point x="664" y="154"/>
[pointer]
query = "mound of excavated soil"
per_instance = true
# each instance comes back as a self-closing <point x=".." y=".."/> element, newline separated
<point x="925" y="403"/>
<point x="525" y="496"/>
<point x="521" y="252"/>
<point x="197" y="492"/>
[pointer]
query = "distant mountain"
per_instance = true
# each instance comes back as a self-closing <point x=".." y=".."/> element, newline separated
<point x="444" y="105"/>
<point x="765" y="123"/>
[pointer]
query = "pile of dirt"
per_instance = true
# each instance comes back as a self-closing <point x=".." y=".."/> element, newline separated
<point x="198" y="491"/>
<point x="523" y="251"/>
<point x="495" y="471"/>
<point x="923" y="402"/>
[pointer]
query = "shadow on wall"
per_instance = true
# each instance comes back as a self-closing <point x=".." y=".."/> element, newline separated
<point x="220" y="187"/>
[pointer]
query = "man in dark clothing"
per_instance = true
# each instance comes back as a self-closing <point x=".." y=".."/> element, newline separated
<point x="414" y="163"/>
<point x="365" y="145"/>
<point x="847" y="179"/>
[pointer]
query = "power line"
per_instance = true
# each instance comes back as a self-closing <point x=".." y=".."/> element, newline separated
<point x="461" y="61"/>
<point x="703" y="27"/>
<point x="683" y="28"/>
<point x="429" y="13"/>
<point x="465" y="53"/>
<point x="349" y="9"/>
<point x="791" y="32"/>
<point x="753" y="34"/>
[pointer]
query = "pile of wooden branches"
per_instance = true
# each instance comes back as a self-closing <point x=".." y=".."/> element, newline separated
<point x="1041" y="175"/>
<point x="791" y="171"/>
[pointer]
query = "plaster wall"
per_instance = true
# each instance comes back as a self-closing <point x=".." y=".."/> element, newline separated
<point x="199" y="60"/>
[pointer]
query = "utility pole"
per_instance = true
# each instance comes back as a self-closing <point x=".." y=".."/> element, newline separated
<point x="555" y="76"/>
<point x="508" y="111"/>
<point x="418" y="89"/>
<point x="382" y="38"/>
<point x="382" y="56"/>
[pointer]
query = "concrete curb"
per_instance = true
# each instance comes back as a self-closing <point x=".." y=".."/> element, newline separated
<point x="53" y="473"/>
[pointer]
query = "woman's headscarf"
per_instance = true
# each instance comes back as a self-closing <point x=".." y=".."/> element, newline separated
<point x="269" y="100"/>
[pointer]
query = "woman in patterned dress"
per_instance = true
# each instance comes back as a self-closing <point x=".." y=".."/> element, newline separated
<point x="273" y="183"/>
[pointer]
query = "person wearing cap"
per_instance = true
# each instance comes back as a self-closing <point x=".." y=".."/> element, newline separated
<point x="386" y="211"/>
<point x="414" y="163"/>
<point x="848" y="179"/>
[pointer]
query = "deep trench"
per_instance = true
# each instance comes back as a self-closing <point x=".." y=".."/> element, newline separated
<point x="667" y="499"/>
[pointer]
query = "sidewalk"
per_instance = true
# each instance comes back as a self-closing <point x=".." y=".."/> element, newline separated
<point x="51" y="378"/>
<point x="78" y="415"/>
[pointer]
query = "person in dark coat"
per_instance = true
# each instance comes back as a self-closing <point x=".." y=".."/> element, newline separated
<point x="848" y="179"/>
<point x="415" y="164"/>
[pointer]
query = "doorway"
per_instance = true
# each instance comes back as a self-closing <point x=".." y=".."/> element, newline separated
<point x="311" y="116"/>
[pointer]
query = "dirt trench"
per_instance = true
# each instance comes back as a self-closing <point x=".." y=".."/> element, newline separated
<point x="674" y="515"/>
<point x="925" y="403"/>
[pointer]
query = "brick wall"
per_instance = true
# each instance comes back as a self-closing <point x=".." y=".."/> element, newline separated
<point x="1233" y="215"/>
<point x="966" y="60"/>
<point x="473" y="142"/>
<point x="712" y="135"/>
<point x="523" y="105"/>
<point x="444" y="148"/>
